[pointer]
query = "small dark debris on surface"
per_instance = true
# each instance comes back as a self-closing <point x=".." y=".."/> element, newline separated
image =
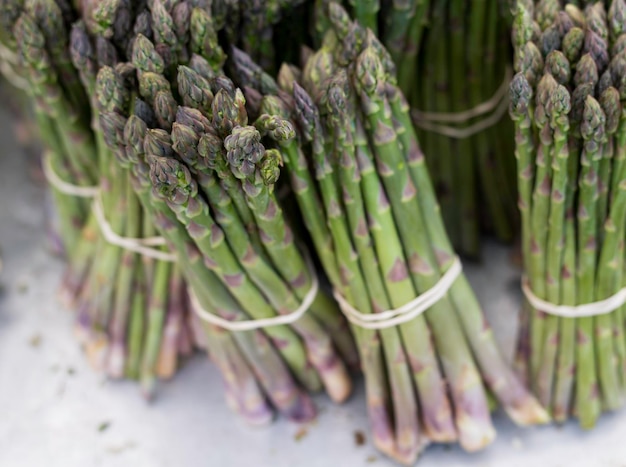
<point x="359" y="438"/>
<point x="371" y="459"/>
<point x="71" y="371"/>
<point x="35" y="340"/>
<point x="301" y="433"/>
<point x="103" y="426"/>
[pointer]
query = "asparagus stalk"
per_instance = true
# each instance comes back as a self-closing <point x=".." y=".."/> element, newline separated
<point x="558" y="108"/>
<point x="592" y="129"/>
<point x="539" y="215"/>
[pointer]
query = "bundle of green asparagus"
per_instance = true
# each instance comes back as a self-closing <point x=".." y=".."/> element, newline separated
<point x="567" y="104"/>
<point x="133" y="316"/>
<point x="454" y="59"/>
<point x="181" y="132"/>
<point x="366" y="198"/>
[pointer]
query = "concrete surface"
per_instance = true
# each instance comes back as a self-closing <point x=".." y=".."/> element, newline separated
<point x="55" y="411"/>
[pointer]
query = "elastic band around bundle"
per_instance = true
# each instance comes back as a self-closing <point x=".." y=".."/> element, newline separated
<point x="431" y="121"/>
<point x="142" y="246"/>
<point x="411" y="310"/>
<point x="252" y="324"/>
<point x="62" y="185"/>
<point x="600" y="307"/>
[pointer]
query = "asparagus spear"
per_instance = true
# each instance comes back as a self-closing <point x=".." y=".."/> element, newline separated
<point x="610" y="102"/>
<point x="539" y="215"/>
<point x="243" y="394"/>
<point x="558" y="108"/>
<point x="592" y="129"/>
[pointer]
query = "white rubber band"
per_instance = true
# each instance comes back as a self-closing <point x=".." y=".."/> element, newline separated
<point x="430" y="121"/>
<point x="411" y="310"/>
<point x="143" y="246"/>
<point x="251" y="324"/>
<point x="600" y="307"/>
<point x="63" y="186"/>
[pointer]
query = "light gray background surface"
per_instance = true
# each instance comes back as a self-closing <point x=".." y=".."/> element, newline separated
<point x="52" y="404"/>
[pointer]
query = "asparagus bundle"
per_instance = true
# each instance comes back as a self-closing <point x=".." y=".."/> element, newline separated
<point x="567" y="106"/>
<point x="463" y="68"/>
<point x="453" y="60"/>
<point x="356" y="173"/>
<point x="133" y="314"/>
<point x="250" y="362"/>
<point x="206" y="186"/>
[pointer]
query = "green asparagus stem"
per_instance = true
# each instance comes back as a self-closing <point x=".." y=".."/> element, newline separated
<point x="592" y="128"/>
<point x="558" y="108"/>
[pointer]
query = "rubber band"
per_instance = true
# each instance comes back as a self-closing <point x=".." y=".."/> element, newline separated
<point x="431" y="121"/>
<point x="407" y="312"/>
<point x="142" y="246"/>
<point x="252" y="324"/>
<point x="62" y="185"/>
<point x="462" y="133"/>
<point x="600" y="307"/>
